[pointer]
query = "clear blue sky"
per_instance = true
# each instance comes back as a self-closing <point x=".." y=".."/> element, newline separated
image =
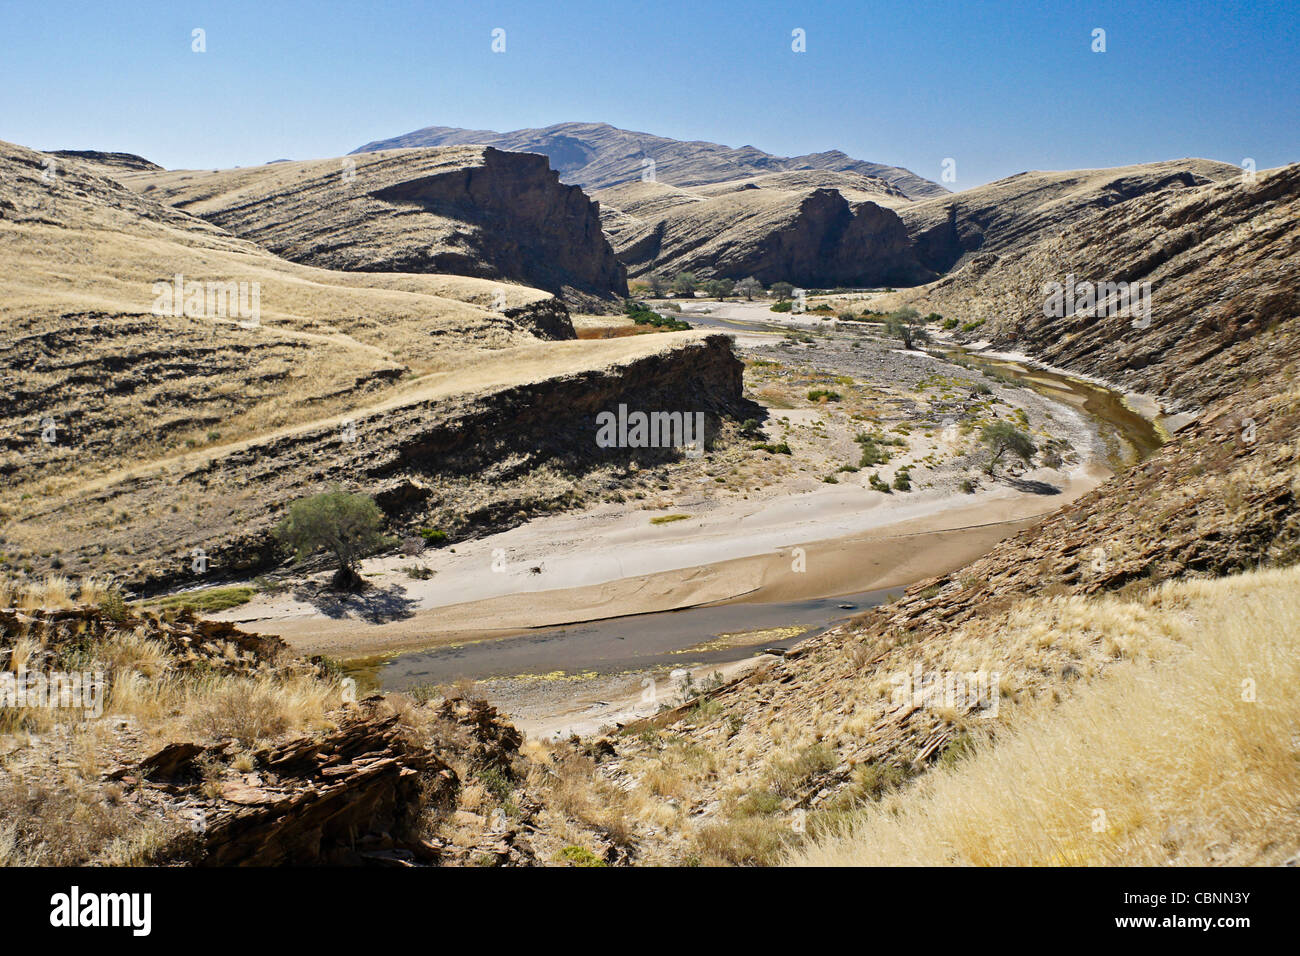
<point x="998" y="86"/>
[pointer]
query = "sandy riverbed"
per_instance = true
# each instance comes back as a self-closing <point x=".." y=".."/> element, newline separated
<point x="615" y="563"/>
<point x="613" y="560"/>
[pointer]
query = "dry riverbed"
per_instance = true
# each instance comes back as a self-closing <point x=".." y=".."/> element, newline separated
<point x="867" y="473"/>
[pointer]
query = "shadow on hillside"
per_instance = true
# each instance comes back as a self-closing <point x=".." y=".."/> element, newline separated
<point x="373" y="605"/>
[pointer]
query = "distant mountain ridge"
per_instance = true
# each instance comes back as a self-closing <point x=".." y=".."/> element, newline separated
<point x="598" y="155"/>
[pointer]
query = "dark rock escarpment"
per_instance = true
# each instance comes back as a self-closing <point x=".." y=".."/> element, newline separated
<point x="469" y="210"/>
<point x="811" y="237"/>
<point x="475" y="453"/>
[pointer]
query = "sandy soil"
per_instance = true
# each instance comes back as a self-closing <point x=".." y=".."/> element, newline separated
<point x="615" y="563"/>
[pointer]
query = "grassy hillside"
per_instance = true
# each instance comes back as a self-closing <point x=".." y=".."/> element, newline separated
<point x="1187" y="753"/>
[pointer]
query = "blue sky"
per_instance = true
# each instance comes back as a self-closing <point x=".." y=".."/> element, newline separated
<point x="999" y="87"/>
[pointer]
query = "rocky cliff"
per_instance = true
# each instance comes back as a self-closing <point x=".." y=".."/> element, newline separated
<point x="773" y="231"/>
<point x="472" y="211"/>
<point x="134" y="434"/>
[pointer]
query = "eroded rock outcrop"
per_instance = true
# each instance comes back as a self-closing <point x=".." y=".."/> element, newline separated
<point x="471" y="453"/>
<point x="771" y="231"/>
<point x="468" y="210"/>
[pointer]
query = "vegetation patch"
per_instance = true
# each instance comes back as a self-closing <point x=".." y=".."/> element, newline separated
<point x="668" y="519"/>
<point x="206" y="601"/>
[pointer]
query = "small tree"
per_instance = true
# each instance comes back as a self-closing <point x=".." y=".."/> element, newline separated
<point x="782" y="290"/>
<point x="346" y="525"/>
<point x="685" y="283"/>
<point x="905" y="324"/>
<point x="749" y="287"/>
<point x="1003" y="437"/>
<point x="657" y="284"/>
<point x="719" y="288"/>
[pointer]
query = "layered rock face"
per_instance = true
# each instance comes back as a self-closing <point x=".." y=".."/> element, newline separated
<point x="1223" y="264"/>
<point x="472" y="211"/>
<point x="771" y="231"/>
<point x="1021" y="209"/>
<point x="597" y="155"/>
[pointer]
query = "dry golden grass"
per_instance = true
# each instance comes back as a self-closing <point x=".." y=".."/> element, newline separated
<point x="257" y="710"/>
<point x="56" y="807"/>
<point x="55" y="592"/>
<point x="1164" y="762"/>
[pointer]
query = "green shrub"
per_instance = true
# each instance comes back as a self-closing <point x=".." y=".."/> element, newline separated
<point x="668" y="519"/>
<point x="872" y="451"/>
<point x="346" y="525"/>
<point x="208" y="600"/>
<point x="580" y="856"/>
<point x="1003" y="437"/>
<point x="643" y="315"/>
<point x="113" y="606"/>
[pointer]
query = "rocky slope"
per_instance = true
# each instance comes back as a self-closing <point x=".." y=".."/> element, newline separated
<point x="471" y="211"/>
<point x="597" y="155"/>
<point x="1223" y="263"/>
<point x="820" y="730"/>
<point x="1021" y="209"/>
<point x="779" y="228"/>
<point x="134" y="435"/>
<point x="216" y="747"/>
